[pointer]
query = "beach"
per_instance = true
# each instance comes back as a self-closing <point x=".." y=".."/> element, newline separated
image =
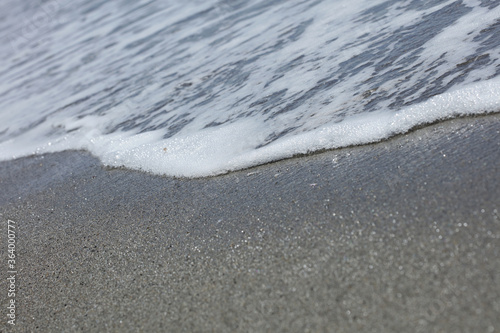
<point x="400" y="235"/>
<point x="250" y="166"/>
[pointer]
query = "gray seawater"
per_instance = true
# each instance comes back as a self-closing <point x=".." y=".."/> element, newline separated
<point x="178" y="68"/>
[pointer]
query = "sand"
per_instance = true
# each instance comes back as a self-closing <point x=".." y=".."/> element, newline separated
<point x="398" y="236"/>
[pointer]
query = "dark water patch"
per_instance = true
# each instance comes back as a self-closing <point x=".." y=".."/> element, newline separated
<point x="405" y="47"/>
<point x="270" y="99"/>
<point x="322" y="85"/>
<point x="294" y="33"/>
<point x="225" y="39"/>
<point x="280" y="72"/>
<point x="412" y="38"/>
<point x="489" y="37"/>
<point x="241" y="100"/>
<point x="207" y="100"/>
<point x="274" y="136"/>
<point x="168" y="29"/>
<point x="437" y="86"/>
<point x="93" y="7"/>
<point x="213" y="124"/>
<point x="78" y="101"/>
<point x="228" y="22"/>
<point x="177" y="126"/>
<point x="2" y="132"/>
<point x="380" y="11"/>
<point x="490" y="4"/>
<point x="159" y="105"/>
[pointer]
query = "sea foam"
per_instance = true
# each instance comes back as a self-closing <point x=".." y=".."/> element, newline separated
<point x="204" y="88"/>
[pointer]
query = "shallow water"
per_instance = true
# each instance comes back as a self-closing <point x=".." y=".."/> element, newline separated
<point x="196" y="88"/>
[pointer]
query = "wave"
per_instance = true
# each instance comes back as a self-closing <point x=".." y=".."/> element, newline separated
<point x="195" y="88"/>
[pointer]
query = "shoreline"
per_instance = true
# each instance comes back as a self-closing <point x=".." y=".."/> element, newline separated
<point x="266" y="161"/>
<point x="420" y="127"/>
<point x="399" y="235"/>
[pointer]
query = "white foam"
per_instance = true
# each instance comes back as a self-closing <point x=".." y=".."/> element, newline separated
<point x="62" y="101"/>
<point x="208" y="153"/>
<point x="219" y="150"/>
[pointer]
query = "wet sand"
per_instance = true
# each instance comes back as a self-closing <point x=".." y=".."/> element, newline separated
<point x="398" y="236"/>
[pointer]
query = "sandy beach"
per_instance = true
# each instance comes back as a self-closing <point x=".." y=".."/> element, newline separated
<point x="398" y="236"/>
